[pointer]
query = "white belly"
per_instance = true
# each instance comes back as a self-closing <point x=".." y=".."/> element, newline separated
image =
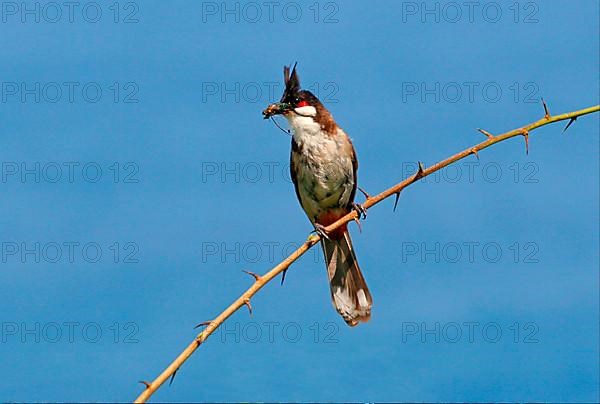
<point x="324" y="169"/>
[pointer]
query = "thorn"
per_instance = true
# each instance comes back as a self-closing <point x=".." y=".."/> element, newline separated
<point x="367" y="196"/>
<point x="474" y="151"/>
<point x="202" y="324"/>
<point x="145" y="383"/>
<point x="247" y="303"/>
<point x="485" y="132"/>
<point x="525" y="134"/>
<point x="569" y="124"/>
<point x="396" y="201"/>
<point x="252" y="274"/>
<point x="419" y="173"/>
<point x="173" y="377"/>
<point x="546" y="112"/>
<point x="283" y="276"/>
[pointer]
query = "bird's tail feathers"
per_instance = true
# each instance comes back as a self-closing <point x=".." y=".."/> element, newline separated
<point x="349" y="292"/>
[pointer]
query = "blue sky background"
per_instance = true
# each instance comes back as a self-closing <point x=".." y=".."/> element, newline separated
<point x="199" y="161"/>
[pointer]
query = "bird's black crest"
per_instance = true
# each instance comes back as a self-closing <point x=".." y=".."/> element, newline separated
<point x="292" y="83"/>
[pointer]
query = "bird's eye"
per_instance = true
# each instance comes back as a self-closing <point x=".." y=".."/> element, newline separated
<point x="301" y="104"/>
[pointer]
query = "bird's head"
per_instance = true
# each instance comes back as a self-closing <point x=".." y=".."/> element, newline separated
<point x="295" y="101"/>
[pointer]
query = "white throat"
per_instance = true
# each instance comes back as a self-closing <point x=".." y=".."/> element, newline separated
<point x="303" y="124"/>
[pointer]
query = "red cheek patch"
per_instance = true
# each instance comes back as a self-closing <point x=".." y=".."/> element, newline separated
<point x="302" y="104"/>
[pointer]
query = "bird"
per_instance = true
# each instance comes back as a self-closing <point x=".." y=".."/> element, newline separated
<point x="323" y="168"/>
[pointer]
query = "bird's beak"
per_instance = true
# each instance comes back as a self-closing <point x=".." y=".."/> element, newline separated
<point x="276" y="108"/>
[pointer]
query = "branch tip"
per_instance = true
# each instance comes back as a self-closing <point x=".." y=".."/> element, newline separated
<point x="252" y="274"/>
<point x="485" y="132"/>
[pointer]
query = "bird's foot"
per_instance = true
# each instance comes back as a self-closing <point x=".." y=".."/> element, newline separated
<point x="361" y="213"/>
<point x="360" y="210"/>
<point x="320" y="230"/>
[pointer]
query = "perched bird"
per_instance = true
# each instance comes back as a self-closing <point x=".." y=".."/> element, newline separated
<point x="323" y="168"/>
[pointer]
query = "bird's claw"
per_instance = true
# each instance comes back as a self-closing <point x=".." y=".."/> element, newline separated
<point x="360" y="210"/>
<point x="320" y="230"/>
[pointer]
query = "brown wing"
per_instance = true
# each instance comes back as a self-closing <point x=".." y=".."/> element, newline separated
<point x="354" y="171"/>
<point x="294" y="169"/>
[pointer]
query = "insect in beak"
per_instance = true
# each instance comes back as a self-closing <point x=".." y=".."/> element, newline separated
<point x="276" y="108"/>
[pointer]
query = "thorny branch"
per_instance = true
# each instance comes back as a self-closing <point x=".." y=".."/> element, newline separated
<point x="262" y="280"/>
